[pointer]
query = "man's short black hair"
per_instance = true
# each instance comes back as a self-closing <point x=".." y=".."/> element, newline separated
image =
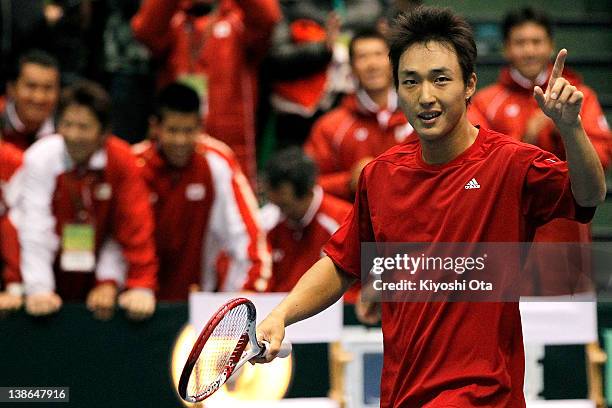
<point x="425" y="24"/>
<point x="177" y="97"/>
<point x="291" y="166"/>
<point x="91" y="95"/>
<point x="366" y="33"/>
<point x="525" y="15"/>
<point x="34" y="56"/>
<point x="398" y="6"/>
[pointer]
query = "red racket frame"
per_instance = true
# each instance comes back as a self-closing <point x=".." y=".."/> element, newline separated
<point x="201" y="341"/>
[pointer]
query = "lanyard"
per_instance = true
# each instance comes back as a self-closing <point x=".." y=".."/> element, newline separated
<point x="197" y="42"/>
<point x="81" y="199"/>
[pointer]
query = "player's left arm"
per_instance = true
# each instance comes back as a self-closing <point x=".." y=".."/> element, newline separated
<point x="596" y="126"/>
<point x="562" y="103"/>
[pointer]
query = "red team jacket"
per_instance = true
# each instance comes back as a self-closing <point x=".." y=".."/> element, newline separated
<point x="10" y="161"/>
<point x="199" y="211"/>
<point x="355" y="130"/>
<point x="110" y="194"/>
<point x="295" y="248"/>
<point x="454" y="354"/>
<point x="507" y="106"/>
<point x="227" y="47"/>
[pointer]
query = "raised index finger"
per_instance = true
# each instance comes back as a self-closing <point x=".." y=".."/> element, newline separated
<point x="557" y="68"/>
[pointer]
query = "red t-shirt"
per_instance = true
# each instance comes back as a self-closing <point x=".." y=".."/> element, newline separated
<point x="454" y="354"/>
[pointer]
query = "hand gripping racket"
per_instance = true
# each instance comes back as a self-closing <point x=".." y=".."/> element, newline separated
<point x="221" y="349"/>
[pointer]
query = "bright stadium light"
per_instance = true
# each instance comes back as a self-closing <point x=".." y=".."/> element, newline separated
<point x="252" y="382"/>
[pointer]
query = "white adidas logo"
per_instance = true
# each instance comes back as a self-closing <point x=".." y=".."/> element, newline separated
<point x="472" y="184"/>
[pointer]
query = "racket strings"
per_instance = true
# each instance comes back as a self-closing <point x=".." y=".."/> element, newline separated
<point x="220" y="347"/>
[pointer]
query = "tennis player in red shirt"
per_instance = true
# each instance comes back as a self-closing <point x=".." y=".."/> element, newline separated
<point x="448" y="354"/>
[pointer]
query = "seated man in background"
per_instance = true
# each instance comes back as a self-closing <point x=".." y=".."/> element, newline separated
<point x="509" y="107"/>
<point x="203" y="203"/>
<point x="11" y="296"/>
<point x="33" y="93"/>
<point x="366" y="124"/>
<point x="299" y="220"/>
<point x="82" y="202"/>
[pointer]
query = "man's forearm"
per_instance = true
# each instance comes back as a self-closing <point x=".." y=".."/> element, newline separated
<point x="586" y="173"/>
<point x="321" y="286"/>
<point x="562" y="103"/>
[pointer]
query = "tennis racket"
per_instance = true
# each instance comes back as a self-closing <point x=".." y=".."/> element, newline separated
<point x="227" y="342"/>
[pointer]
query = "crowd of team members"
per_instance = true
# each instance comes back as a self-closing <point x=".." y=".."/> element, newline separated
<point x="86" y="217"/>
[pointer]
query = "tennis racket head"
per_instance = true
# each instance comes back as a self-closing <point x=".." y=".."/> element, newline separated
<point x="218" y="349"/>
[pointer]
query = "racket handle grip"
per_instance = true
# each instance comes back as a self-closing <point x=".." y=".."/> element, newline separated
<point x="285" y="348"/>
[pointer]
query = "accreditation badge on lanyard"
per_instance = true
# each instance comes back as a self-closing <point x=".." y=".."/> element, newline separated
<point x="79" y="237"/>
<point x="195" y="77"/>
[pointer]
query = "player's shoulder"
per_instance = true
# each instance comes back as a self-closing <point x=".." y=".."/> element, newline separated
<point x="491" y="145"/>
<point x="398" y="155"/>
<point x="497" y="145"/>
<point x="491" y="138"/>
